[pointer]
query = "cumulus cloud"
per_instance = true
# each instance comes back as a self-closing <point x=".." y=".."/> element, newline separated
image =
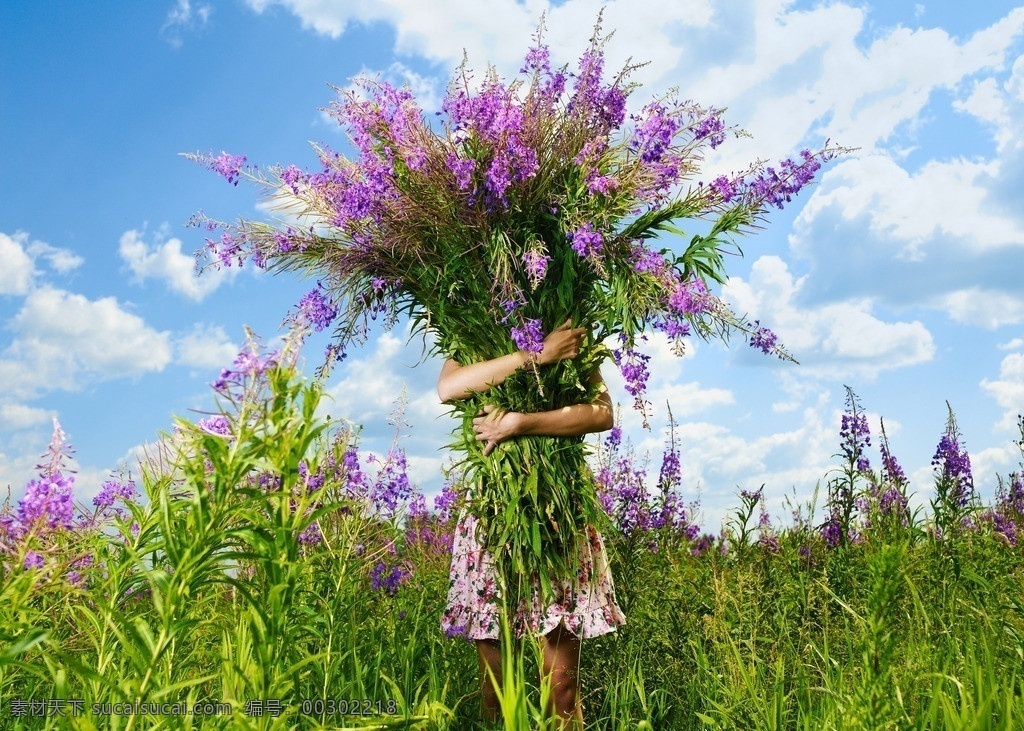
<point x="498" y="32"/>
<point x="1008" y="389"/>
<point x="834" y="340"/>
<point x="17" y="270"/>
<point x="165" y="261"/>
<point x="14" y="417"/>
<point x="62" y="337"/>
<point x="19" y="258"/>
<point x="206" y="346"/>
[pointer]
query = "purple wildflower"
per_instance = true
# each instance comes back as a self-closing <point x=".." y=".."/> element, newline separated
<point x="317" y="308"/>
<point x="113" y="490"/>
<point x="654" y="133"/>
<point x="445" y="501"/>
<point x="953" y="466"/>
<point x="311" y="536"/>
<point x="456" y="630"/>
<point x="855" y="437"/>
<point x="292" y="176"/>
<point x="670" y="475"/>
<point x="228" y="166"/>
<point x="48" y="501"/>
<point x="726" y="188"/>
<point x="832" y="532"/>
<point x="529" y="337"/>
<point x="586" y="241"/>
<point x="536" y="266"/>
<point x="614" y="438"/>
<point x="763" y="339"/>
<point x="388" y="580"/>
<point x="217" y="425"/>
<point x="33" y="560"/>
<point x="777" y="187"/>
<point x="711" y="127"/>
<point x="645" y="261"/>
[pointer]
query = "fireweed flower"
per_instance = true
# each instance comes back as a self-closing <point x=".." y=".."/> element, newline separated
<point x="529" y="337"/>
<point x="388" y="580"/>
<point x="586" y="241"/>
<point x="112" y="491"/>
<point x="855" y="437"/>
<point x="953" y="464"/>
<point x="536" y="266"/>
<point x="711" y="127"/>
<point x="227" y="166"/>
<point x="218" y="425"/>
<point x="47" y="502"/>
<point x="317" y="308"/>
<point x="763" y="339"/>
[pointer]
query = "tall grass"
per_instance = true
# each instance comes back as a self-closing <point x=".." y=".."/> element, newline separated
<point x="216" y="590"/>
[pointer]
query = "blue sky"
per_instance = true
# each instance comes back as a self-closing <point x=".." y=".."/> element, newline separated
<point x="899" y="274"/>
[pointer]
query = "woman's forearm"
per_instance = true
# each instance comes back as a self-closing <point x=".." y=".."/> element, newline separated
<point x="567" y="421"/>
<point x="460" y="382"/>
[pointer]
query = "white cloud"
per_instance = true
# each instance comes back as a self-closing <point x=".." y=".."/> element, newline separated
<point x="498" y="32"/>
<point x="14" y="417"/>
<point x="207" y="346"/>
<point x="1014" y="344"/>
<point x="60" y="337"/>
<point x="834" y="340"/>
<point x="184" y="17"/>
<point x="165" y="261"/>
<point x="17" y="269"/>
<point x="62" y="260"/>
<point x="912" y="209"/>
<point x="986" y="308"/>
<point x="18" y="259"/>
<point x="1008" y="389"/>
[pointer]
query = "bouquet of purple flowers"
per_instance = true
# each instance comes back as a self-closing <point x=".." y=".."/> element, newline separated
<point x="527" y="203"/>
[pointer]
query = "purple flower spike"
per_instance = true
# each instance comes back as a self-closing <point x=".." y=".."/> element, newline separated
<point x="228" y="166"/>
<point x="317" y="308"/>
<point x="536" y="266"/>
<point x="763" y="339"/>
<point x="586" y="241"/>
<point x="529" y="337"/>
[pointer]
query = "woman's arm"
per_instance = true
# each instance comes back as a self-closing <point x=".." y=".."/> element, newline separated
<point x="459" y="382"/>
<point x="495" y="426"/>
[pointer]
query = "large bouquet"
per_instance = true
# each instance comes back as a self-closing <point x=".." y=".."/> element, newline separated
<point x="528" y="203"/>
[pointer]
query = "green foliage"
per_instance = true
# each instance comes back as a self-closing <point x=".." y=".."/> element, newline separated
<point x="213" y="599"/>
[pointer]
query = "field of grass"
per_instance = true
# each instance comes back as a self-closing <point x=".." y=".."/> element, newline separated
<point x="269" y="575"/>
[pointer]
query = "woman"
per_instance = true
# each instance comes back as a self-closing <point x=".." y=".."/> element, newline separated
<point x="585" y="605"/>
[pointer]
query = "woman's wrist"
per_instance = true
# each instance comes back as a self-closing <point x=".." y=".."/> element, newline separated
<point x="529" y="359"/>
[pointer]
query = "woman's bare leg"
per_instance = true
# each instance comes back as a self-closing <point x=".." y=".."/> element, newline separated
<point x="489" y="655"/>
<point x="562" y="665"/>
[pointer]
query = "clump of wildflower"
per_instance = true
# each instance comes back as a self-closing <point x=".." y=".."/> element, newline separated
<point x="536" y="266"/>
<point x="48" y="502"/>
<point x="529" y="337"/>
<point x="226" y="165"/>
<point x="587" y="242"/>
<point x="317" y="308"/>
<point x="218" y="424"/>
<point x="953" y="464"/>
<point x="763" y="339"/>
<point x="113" y="491"/>
<point x="388" y="579"/>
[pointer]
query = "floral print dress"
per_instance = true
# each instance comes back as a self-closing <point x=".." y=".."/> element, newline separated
<point x="585" y="603"/>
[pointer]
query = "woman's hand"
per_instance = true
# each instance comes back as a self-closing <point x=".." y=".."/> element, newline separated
<point x="561" y="343"/>
<point x="495" y="426"/>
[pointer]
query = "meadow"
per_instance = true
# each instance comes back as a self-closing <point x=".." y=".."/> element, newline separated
<point x="263" y="572"/>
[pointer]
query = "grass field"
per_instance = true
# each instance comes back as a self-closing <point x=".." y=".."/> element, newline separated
<point x="268" y="575"/>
